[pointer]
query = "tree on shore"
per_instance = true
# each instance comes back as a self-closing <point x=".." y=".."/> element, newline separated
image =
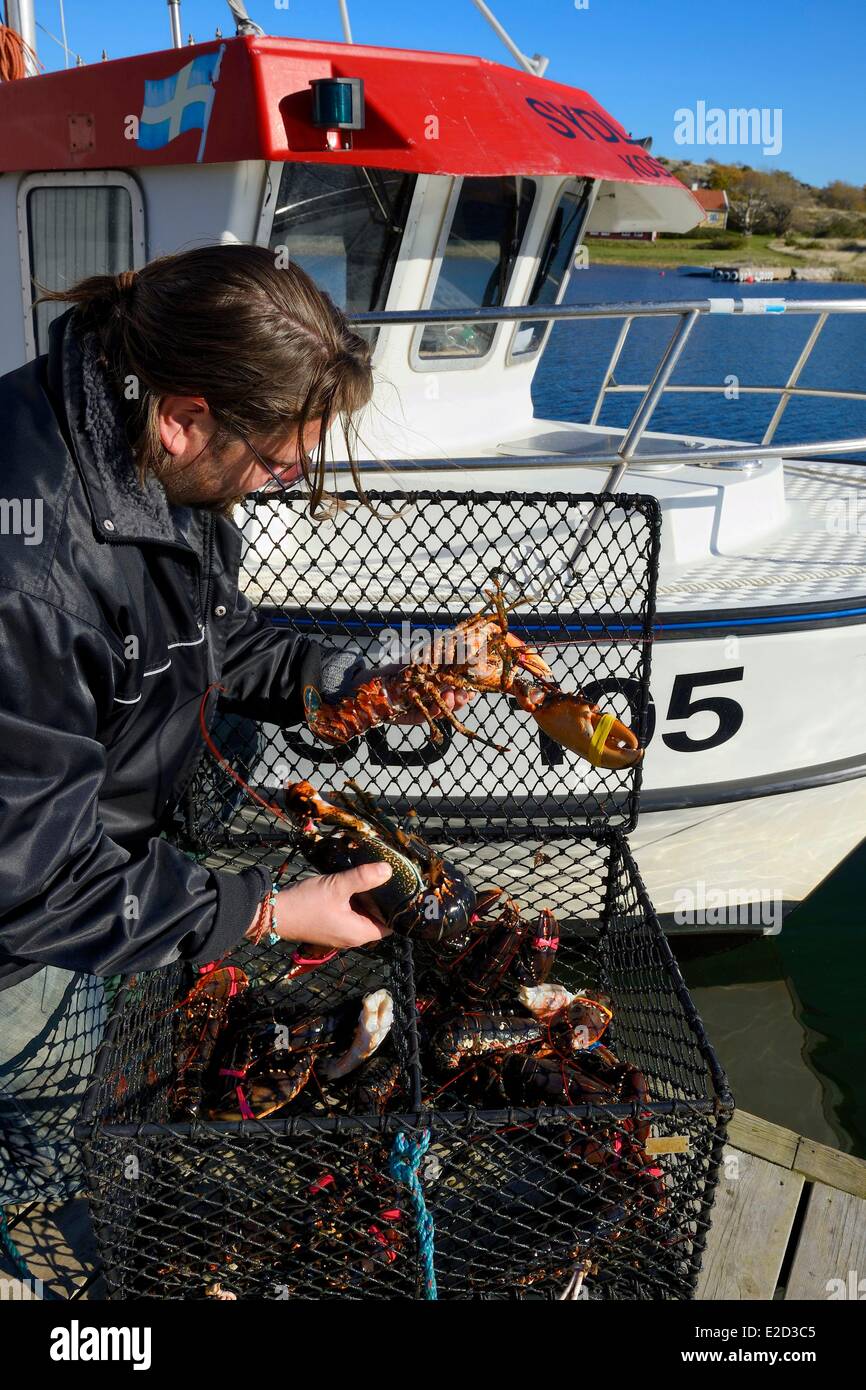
<point x="845" y="196"/>
<point x="774" y="202"/>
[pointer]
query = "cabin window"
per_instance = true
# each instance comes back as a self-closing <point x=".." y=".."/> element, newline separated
<point x="344" y="226"/>
<point x="74" y="225"/>
<point x="73" y="233"/>
<point x="483" y="244"/>
<point x="556" y="259"/>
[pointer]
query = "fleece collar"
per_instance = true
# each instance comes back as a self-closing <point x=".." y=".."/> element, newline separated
<point x="124" y="508"/>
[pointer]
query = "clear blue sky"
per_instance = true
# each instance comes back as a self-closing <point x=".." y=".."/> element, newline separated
<point x="642" y="59"/>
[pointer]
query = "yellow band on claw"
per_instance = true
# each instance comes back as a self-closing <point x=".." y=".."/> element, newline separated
<point x="599" y="738"/>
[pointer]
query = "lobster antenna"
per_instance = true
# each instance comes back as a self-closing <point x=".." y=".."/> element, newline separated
<point x="499" y="594"/>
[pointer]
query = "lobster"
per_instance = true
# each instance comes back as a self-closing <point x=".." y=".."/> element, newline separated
<point x="258" y="1075"/>
<point x="569" y="1030"/>
<point x="494" y="661"/>
<point x="268" y="1061"/>
<point x="509" y="947"/>
<point x="426" y="895"/>
<point x="373" y="1085"/>
<point x="204" y="1014"/>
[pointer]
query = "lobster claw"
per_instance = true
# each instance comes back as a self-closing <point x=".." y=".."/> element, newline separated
<point x="493" y="658"/>
<point x="601" y="739"/>
<point x="528" y="659"/>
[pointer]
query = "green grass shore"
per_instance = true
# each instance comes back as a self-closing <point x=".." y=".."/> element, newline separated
<point x="757" y="251"/>
<point x="688" y="251"/>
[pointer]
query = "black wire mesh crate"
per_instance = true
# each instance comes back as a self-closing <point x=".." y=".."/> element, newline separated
<point x="541" y="1169"/>
<point x="523" y="1197"/>
<point x="182" y="1202"/>
<point x="383" y="583"/>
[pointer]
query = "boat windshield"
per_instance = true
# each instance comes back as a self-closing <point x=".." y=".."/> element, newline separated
<point x="483" y="244"/>
<point x="548" y="286"/>
<point x="344" y="227"/>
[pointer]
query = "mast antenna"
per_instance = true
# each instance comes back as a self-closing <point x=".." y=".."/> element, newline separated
<point x="244" y="26"/>
<point x="63" y="36"/>
<point x="537" y="64"/>
<point x="174" y="20"/>
<point x="344" y="16"/>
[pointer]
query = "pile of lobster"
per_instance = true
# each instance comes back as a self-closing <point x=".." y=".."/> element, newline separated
<point x="496" y="1031"/>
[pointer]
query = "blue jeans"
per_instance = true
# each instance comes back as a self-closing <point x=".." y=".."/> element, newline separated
<point x="50" y="1028"/>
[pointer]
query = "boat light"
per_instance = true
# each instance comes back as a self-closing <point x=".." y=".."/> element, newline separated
<point x="338" y="104"/>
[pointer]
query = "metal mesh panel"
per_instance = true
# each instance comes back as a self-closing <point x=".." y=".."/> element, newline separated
<point x="417" y="564"/>
<point x="53" y="1023"/>
<point x="302" y="1204"/>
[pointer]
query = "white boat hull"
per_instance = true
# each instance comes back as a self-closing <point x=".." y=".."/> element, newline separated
<point x="744" y="865"/>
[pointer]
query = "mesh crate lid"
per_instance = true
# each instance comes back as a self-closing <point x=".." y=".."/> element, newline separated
<point x="384" y="576"/>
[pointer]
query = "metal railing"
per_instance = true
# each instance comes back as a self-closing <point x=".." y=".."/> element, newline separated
<point x="687" y="312"/>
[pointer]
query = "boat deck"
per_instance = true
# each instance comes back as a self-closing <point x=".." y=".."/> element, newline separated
<point x="813" y="550"/>
<point x="789" y="1220"/>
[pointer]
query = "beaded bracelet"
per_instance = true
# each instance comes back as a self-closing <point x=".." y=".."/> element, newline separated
<point x="273" y="934"/>
<point x="265" y="923"/>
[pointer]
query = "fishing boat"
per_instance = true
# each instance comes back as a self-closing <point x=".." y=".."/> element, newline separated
<point x="442" y="200"/>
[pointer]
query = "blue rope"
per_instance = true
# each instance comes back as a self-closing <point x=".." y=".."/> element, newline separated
<point x="8" y="1245"/>
<point x="404" y="1163"/>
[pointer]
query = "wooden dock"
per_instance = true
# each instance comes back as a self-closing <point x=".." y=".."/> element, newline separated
<point x="789" y="1219"/>
<point x="789" y="1222"/>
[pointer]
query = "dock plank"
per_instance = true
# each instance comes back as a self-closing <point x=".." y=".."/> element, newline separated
<point x="753" y="1214"/>
<point x="58" y="1245"/>
<point x="821" y="1164"/>
<point x="752" y="1135"/>
<point x="832" y="1247"/>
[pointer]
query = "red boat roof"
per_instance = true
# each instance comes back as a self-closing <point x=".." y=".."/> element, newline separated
<point x="431" y="113"/>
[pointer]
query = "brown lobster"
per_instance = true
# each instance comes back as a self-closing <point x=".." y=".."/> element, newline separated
<point x="204" y="1012"/>
<point x="493" y="661"/>
<point x="508" y="948"/>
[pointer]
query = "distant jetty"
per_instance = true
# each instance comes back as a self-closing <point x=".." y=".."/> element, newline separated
<point x="756" y="275"/>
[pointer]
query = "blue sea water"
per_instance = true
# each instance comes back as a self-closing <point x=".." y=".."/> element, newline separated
<point x="785" y="1013"/>
<point x="759" y="350"/>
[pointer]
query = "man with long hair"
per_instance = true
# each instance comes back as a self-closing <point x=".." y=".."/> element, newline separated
<point x="166" y="396"/>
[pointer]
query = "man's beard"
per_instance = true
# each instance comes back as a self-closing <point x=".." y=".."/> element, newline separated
<point x="200" y="482"/>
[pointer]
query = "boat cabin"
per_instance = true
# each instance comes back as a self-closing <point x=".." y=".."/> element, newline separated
<point x="399" y="179"/>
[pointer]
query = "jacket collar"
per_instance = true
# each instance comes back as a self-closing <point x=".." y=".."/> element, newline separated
<point x="124" y="508"/>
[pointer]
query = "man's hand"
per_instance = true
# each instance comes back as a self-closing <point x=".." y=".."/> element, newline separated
<point x="453" y="699"/>
<point x="331" y="909"/>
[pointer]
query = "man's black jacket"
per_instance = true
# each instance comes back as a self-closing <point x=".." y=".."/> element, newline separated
<point x="117" y="611"/>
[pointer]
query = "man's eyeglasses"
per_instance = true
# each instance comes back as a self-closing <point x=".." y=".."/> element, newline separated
<point x="277" y="483"/>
